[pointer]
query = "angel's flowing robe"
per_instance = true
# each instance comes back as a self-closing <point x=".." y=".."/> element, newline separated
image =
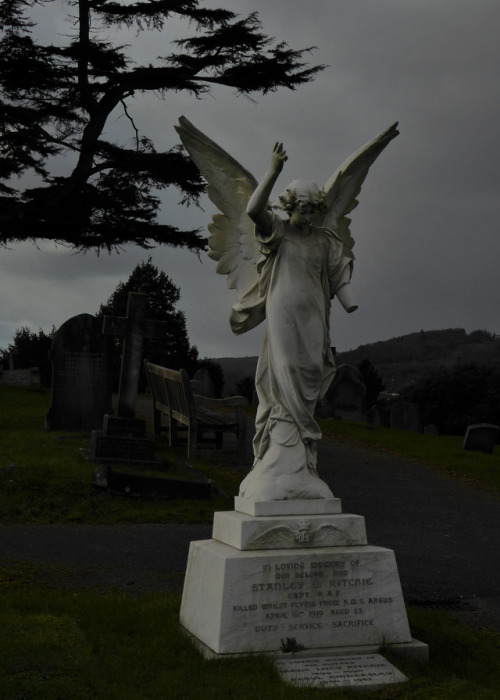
<point x="299" y="275"/>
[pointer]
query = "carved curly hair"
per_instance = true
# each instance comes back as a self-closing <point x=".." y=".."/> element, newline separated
<point x="300" y="190"/>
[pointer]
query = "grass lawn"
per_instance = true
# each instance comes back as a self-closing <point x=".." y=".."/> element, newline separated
<point x="44" y="478"/>
<point x="88" y="646"/>
<point x="84" y="645"/>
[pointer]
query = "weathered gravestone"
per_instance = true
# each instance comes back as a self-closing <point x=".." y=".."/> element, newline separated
<point x="133" y="327"/>
<point x="122" y="439"/>
<point x="81" y="376"/>
<point x="374" y="416"/>
<point x="203" y="383"/>
<point x="481" y="437"/>
<point x="346" y="397"/>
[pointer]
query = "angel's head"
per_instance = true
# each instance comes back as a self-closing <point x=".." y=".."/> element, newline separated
<point x="301" y="200"/>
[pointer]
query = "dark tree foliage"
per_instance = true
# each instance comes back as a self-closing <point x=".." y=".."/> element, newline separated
<point x="246" y="387"/>
<point x="455" y="397"/>
<point x="30" y="349"/>
<point x="172" y="349"/>
<point x="372" y="380"/>
<point x="56" y="100"/>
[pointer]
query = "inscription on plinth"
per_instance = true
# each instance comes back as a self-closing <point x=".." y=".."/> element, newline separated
<point x="343" y="597"/>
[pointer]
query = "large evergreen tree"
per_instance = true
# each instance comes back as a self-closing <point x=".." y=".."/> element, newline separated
<point x="56" y="101"/>
<point x="455" y="397"/>
<point x="372" y="380"/>
<point x="172" y="349"/>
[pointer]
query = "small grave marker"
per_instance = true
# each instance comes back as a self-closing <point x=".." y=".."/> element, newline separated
<point x="374" y="416"/>
<point x="481" y="437"/>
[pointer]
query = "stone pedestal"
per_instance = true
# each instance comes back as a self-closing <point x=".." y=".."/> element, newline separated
<point x="122" y="441"/>
<point x="293" y="576"/>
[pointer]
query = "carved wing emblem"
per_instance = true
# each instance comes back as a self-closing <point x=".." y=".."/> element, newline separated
<point x="302" y="535"/>
<point x="328" y="536"/>
<point x="277" y="536"/>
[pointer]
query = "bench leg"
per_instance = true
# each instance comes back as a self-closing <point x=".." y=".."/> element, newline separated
<point x="173" y="439"/>
<point x="156" y="421"/>
<point x="219" y="439"/>
<point x="192" y="449"/>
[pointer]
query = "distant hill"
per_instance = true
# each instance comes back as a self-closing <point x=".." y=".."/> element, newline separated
<point x="404" y="360"/>
<point x="400" y="361"/>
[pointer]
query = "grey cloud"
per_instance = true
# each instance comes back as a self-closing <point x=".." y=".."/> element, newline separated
<point x="426" y="227"/>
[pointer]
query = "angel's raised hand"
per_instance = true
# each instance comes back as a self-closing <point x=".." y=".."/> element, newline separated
<point x="278" y="157"/>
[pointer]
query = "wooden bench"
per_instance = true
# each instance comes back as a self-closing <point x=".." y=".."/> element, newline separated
<point x="205" y="419"/>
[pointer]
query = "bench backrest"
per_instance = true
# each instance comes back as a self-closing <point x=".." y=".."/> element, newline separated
<point x="172" y="390"/>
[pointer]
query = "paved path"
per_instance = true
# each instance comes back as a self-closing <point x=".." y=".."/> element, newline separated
<point x="444" y="531"/>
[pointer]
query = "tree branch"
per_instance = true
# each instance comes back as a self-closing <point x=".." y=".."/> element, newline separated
<point x="134" y="127"/>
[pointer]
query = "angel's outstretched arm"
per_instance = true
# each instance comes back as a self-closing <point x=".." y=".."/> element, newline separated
<point x="257" y="204"/>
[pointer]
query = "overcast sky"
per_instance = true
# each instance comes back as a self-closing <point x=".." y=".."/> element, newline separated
<point x="426" y="229"/>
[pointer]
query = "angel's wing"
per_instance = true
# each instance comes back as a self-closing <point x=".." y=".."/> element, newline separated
<point x="232" y="242"/>
<point x="345" y="184"/>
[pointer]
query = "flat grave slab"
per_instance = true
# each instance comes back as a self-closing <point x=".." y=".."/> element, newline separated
<point x="145" y="486"/>
<point x="363" y="671"/>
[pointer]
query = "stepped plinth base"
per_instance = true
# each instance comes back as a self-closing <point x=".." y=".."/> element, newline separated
<point x="242" y="601"/>
<point x="288" y="531"/>
<point x="274" y="581"/>
<point x="314" y="506"/>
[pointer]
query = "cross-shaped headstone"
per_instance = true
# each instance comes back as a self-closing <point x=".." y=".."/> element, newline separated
<point x="134" y="328"/>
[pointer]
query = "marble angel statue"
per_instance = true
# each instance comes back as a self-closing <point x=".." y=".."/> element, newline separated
<point x="285" y="271"/>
